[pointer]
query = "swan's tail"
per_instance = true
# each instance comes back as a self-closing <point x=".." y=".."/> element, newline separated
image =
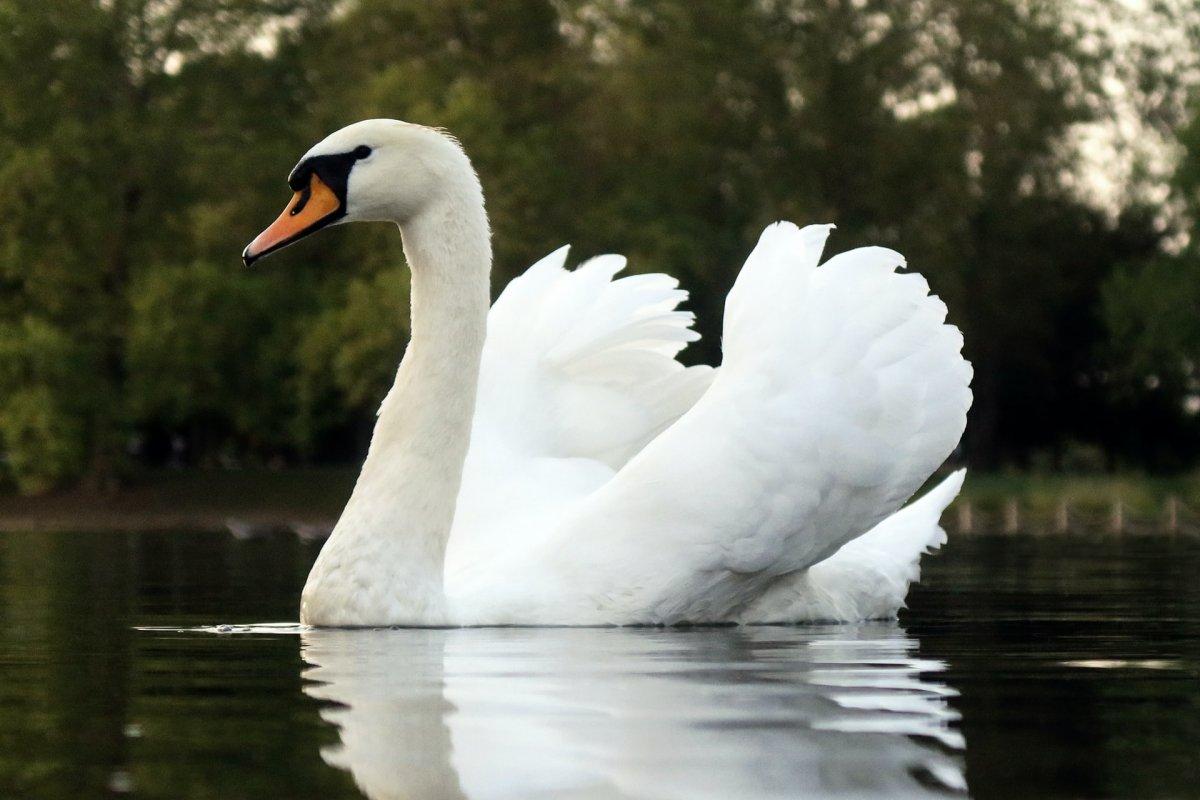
<point x="868" y="578"/>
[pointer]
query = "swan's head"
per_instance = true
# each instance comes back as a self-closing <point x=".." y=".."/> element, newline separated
<point x="374" y="170"/>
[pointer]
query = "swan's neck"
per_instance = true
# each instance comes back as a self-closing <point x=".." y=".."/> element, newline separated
<point x="390" y="542"/>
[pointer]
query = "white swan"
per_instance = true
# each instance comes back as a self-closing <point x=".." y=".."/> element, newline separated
<point x="552" y="463"/>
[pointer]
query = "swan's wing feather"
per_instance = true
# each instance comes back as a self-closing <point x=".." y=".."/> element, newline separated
<point x="581" y="364"/>
<point x="841" y="391"/>
<point x="868" y="578"/>
<point x="578" y="373"/>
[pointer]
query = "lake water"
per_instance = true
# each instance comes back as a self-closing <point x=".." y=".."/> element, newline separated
<point x="1025" y="667"/>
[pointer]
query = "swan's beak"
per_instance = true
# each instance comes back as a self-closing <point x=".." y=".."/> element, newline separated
<point x="311" y="208"/>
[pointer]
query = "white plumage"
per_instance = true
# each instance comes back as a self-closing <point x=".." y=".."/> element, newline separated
<point x="868" y="578"/>
<point x="826" y="414"/>
<point x="551" y="462"/>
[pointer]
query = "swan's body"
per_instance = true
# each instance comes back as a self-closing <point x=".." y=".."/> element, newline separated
<point x="550" y="462"/>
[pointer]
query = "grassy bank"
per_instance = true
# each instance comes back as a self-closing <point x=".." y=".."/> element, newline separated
<point x="1042" y="493"/>
<point x="197" y="499"/>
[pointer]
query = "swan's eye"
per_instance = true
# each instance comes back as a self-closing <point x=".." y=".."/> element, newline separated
<point x="361" y="152"/>
<point x="302" y="201"/>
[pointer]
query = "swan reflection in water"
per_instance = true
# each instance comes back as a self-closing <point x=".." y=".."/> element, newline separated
<point x="709" y="712"/>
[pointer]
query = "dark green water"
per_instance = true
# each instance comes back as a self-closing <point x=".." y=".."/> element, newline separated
<point x="1024" y="668"/>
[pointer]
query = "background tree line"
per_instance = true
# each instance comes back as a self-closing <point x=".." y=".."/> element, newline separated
<point x="1033" y="158"/>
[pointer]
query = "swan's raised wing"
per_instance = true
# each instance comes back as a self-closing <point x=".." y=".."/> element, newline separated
<point x="582" y="364"/>
<point x="578" y="373"/>
<point x="841" y="391"/>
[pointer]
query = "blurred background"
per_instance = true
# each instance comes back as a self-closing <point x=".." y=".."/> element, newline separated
<point x="1037" y="161"/>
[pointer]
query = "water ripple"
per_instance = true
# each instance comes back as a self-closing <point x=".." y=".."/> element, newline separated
<point x="708" y="713"/>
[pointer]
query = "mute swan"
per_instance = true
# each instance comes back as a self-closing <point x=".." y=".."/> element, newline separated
<point x="550" y="462"/>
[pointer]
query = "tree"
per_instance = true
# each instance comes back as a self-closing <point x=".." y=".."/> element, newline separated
<point x="1151" y="309"/>
<point x="942" y="129"/>
<point x="101" y="114"/>
<point x="144" y="142"/>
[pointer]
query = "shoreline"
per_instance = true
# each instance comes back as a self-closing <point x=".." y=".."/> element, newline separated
<point x="252" y="525"/>
<point x="304" y="500"/>
<point x="307" y="501"/>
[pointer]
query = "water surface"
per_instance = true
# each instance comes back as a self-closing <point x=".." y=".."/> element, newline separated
<point x="1065" y="667"/>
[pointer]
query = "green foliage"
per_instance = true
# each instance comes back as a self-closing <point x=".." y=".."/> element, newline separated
<point x="44" y="402"/>
<point x="143" y="143"/>
<point x="183" y="368"/>
<point x="1151" y="310"/>
<point x="349" y="351"/>
<point x="1152" y="313"/>
<point x="115" y="158"/>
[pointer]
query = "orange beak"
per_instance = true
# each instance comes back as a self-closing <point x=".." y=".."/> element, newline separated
<point x="309" y="210"/>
